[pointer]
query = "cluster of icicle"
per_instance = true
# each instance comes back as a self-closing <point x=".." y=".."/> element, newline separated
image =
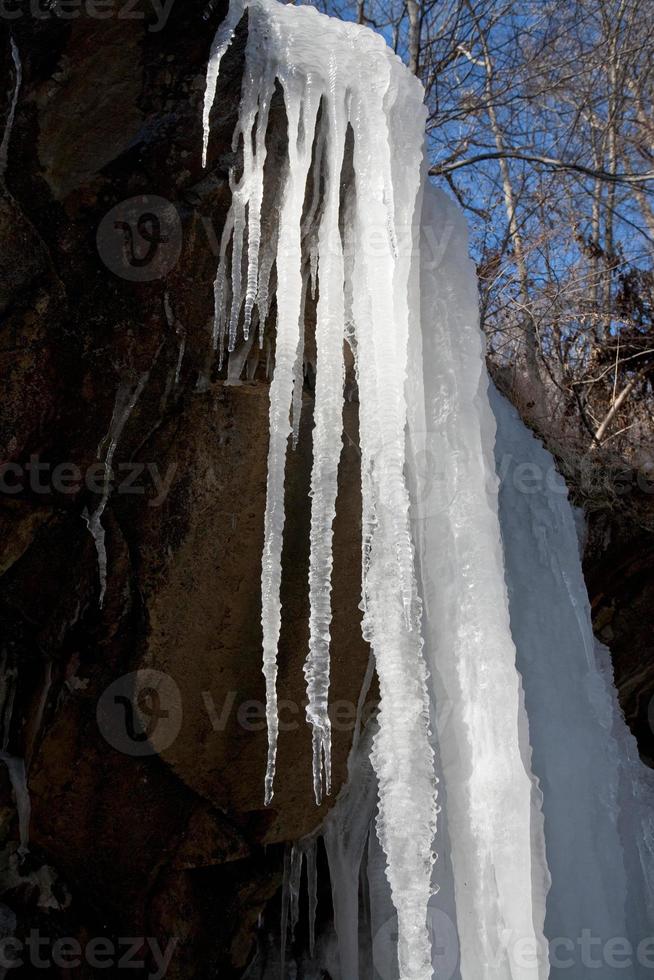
<point x="336" y="77"/>
<point x="519" y="792"/>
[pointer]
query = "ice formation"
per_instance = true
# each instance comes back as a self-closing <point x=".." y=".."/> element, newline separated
<point x="6" y="136"/>
<point x="18" y="778"/>
<point x="15" y="765"/>
<point x="493" y="803"/>
<point x="350" y="81"/>
<point x="126" y="398"/>
<point x="345" y="219"/>
<point x="597" y="796"/>
<point x="172" y="321"/>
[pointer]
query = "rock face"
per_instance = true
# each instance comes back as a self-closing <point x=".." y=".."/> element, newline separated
<point x="140" y="720"/>
<point x="619" y="571"/>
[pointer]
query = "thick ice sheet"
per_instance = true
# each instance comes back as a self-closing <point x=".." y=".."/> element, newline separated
<point x="597" y="795"/>
<point x="493" y="804"/>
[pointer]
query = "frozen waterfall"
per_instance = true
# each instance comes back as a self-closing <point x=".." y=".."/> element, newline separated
<point x="493" y="705"/>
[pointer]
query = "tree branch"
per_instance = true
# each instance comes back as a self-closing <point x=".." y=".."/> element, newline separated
<point x="552" y="162"/>
<point x="616" y="405"/>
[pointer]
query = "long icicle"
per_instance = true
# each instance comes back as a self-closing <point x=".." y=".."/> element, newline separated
<point x="289" y="294"/>
<point x="327" y="436"/>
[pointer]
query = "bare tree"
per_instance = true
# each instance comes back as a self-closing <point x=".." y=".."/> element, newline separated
<point x="541" y="125"/>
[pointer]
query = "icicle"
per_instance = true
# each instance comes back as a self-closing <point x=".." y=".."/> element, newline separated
<point x="381" y="910"/>
<point x="8" y="677"/>
<point x="402" y="755"/>
<point x="345" y="832"/>
<point x="168" y="310"/>
<point x="289" y="288"/>
<point x="180" y="358"/>
<point x="126" y="398"/>
<point x="238" y="207"/>
<point x="236" y="361"/>
<point x="356" y="80"/>
<point x="327" y="438"/>
<point x="18" y="778"/>
<point x="172" y="321"/>
<point x="294" y="882"/>
<point x="253" y="172"/>
<point x="220" y="44"/>
<point x="309" y="229"/>
<point x="310" y="853"/>
<point x="40" y="710"/>
<point x="6" y="136"/>
<point x="220" y="288"/>
<point x="284" y="913"/>
<point x="298" y="372"/>
<point x="267" y="255"/>
<point x="247" y="194"/>
<point x="349" y="217"/>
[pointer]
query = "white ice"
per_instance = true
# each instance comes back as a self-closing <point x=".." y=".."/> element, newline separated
<point x="495" y="691"/>
<point x="597" y="795"/>
<point x="353" y="80"/>
<point x="493" y="802"/>
<point x="126" y="399"/>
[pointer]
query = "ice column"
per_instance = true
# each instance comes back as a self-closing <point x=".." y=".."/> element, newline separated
<point x="494" y="816"/>
<point x="597" y="795"/>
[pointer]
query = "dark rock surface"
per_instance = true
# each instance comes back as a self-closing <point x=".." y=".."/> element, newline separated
<point x="176" y="842"/>
<point x="158" y="830"/>
<point x="619" y="571"/>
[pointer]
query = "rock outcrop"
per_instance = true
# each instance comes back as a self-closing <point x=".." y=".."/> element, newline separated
<point x="144" y="823"/>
